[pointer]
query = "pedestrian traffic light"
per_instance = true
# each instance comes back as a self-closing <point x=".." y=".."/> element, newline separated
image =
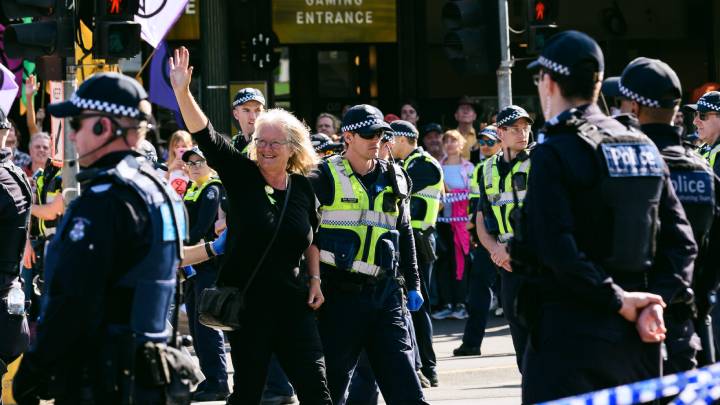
<point x="116" y="35"/>
<point x="472" y="39"/>
<point x="54" y="35"/>
<point x="541" y="23"/>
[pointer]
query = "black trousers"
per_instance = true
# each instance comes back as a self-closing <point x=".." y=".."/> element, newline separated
<point x="292" y="335"/>
<point x="574" y="350"/>
<point x="423" y="323"/>
<point x="509" y="291"/>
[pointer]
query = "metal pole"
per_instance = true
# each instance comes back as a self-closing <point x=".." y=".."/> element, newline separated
<point x="504" y="72"/>
<point x="70" y="167"/>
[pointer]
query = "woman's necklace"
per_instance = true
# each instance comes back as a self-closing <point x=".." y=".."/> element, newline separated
<point x="270" y="190"/>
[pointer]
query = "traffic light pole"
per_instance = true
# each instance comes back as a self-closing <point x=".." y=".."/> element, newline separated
<point x="504" y="72"/>
<point x="70" y="166"/>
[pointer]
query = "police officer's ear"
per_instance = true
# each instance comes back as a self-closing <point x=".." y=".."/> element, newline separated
<point x="347" y="136"/>
<point x="635" y="108"/>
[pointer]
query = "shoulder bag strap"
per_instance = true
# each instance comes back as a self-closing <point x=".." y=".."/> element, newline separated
<point x="272" y="240"/>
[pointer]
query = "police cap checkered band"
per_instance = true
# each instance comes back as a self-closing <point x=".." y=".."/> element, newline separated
<point x="248" y="94"/>
<point x="554" y="66"/>
<point x="647" y="102"/>
<point x="705" y="104"/>
<point x="104" y="106"/>
<point x="509" y="119"/>
<point x="361" y="125"/>
<point x="406" y="134"/>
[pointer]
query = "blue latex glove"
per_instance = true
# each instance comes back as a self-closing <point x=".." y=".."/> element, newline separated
<point x="218" y="244"/>
<point x="415" y="300"/>
<point x="189" y="271"/>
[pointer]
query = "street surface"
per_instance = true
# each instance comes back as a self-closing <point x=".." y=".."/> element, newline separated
<point x="492" y="378"/>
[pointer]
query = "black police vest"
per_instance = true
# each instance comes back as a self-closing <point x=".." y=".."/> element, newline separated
<point x="631" y="187"/>
<point x="14" y="232"/>
<point x="694" y="183"/>
<point x="150" y="283"/>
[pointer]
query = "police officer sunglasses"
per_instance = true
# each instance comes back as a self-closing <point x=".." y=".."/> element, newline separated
<point x="486" y="142"/>
<point x="372" y="135"/>
<point x="704" y="116"/>
<point x="76" y="121"/>
<point x="196" y="163"/>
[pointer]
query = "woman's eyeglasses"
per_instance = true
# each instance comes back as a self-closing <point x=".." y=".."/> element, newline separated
<point x="197" y="163"/>
<point x="274" y="145"/>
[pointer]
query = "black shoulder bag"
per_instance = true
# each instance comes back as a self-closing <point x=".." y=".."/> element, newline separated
<point x="222" y="307"/>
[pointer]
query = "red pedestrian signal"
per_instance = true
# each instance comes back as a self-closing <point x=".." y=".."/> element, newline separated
<point x="539" y="11"/>
<point x="114" y="6"/>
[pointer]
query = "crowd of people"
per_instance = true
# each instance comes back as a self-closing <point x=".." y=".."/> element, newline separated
<point x="597" y="236"/>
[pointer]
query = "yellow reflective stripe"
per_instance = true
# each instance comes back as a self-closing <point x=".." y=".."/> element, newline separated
<point x="352" y="218"/>
<point x="193" y="193"/>
<point x="712" y="155"/>
<point x="341" y="166"/>
<point x="357" y="266"/>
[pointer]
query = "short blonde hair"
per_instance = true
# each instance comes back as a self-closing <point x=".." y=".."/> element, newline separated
<point x="303" y="158"/>
<point x="454" y="134"/>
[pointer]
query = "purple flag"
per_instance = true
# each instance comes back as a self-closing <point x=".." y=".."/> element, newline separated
<point x="161" y="92"/>
<point x="15" y="65"/>
<point x="157" y="17"/>
<point x="8" y="89"/>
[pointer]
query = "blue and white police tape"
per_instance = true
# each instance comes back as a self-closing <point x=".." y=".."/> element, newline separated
<point x="448" y="220"/>
<point x="455" y="197"/>
<point x="695" y="394"/>
<point x="703" y="382"/>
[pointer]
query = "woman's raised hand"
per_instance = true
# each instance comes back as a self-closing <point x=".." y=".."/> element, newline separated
<point x="180" y="69"/>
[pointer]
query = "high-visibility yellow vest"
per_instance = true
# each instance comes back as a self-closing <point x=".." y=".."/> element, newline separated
<point x="430" y="195"/>
<point x="194" y="192"/>
<point x="710" y="154"/>
<point x="499" y="192"/>
<point x="47" y="227"/>
<point x="353" y="211"/>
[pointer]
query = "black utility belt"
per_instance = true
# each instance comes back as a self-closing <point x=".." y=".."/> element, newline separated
<point x="351" y="282"/>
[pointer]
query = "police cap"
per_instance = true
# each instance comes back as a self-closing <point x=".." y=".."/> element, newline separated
<point x="610" y="87"/>
<point x="192" y="151"/>
<point x="404" y="128"/>
<point x="364" y="119"/>
<point x="510" y="114"/>
<point x="709" y="102"/>
<point x="111" y="93"/>
<point x="432" y="127"/>
<point x="650" y="83"/>
<point x="489" y="131"/>
<point x="565" y="50"/>
<point x="248" y="94"/>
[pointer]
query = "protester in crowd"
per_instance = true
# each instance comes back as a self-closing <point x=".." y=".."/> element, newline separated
<point x="34" y="119"/>
<point x="180" y="141"/>
<point x="329" y="125"/>
<point x="279" y="314"/>
<point x="39" y="153"/>
<point x="465" y="115"/>
<point x="20" y="158"/>
<point x="409" y="112"/>
<point x="431" y="140"/>
<point x="452" y="229"/>
<point x="202" y="201"/>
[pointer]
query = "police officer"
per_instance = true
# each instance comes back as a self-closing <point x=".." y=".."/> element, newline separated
<point x="110" y="269"/>
<point x="246" y="106"/>
<point x="15" y="202"/>
<point x="427" y="188"/>
<point x="707" y="122"/>
<point x="498" y="176"/>
<point x="599" y="200"/>
<point x="653" y="92"/>
<point x="364" y="233"/>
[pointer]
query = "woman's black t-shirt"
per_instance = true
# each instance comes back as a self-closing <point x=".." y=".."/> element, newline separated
<point x="252" y="218"/>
